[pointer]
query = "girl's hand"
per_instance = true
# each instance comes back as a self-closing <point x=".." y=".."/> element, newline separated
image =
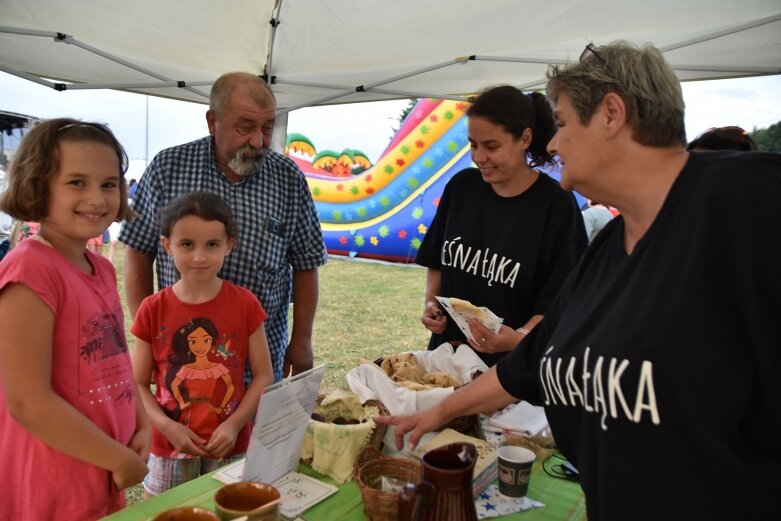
<point x="223" y="440"/>
<point x="184" y="440"/>
<point x="486" y="341"/>
<point x="132" y="471"/>
<point x="140" y="442"/>
<point x="433" y="318"/>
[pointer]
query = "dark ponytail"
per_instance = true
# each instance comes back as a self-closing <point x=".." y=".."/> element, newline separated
<point x="543" y="130"/>
<point x="514" y="111"/>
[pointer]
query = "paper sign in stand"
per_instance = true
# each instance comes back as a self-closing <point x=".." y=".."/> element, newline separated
<point x="280" y="425"/>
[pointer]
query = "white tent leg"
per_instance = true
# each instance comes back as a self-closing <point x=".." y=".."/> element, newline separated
<point x="279" y="134"/>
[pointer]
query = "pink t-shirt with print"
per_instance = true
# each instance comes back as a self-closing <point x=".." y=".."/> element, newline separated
<point x="90" y="370"/>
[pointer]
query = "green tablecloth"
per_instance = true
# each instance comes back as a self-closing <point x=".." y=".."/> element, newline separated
<point x="563" y="500"/>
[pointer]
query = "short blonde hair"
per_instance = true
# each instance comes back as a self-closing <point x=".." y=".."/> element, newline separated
<point x="640" y="76"/>
<point x="37" y="160"/>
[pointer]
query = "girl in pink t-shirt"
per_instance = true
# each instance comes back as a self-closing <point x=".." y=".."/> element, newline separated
<point x="195" y="338"/>
<point x="73" y="433"/>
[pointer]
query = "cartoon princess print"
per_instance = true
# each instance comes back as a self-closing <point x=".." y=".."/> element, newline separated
<point x="193" y="379"/>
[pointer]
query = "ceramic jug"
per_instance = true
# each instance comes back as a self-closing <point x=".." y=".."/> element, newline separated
<point x="445" y="494"/>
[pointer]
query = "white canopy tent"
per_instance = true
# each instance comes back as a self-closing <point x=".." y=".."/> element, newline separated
<point x="317" y="52"/>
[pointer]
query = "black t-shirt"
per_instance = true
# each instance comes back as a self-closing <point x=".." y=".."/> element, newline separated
<point x="660" y="371"/>
<point x="509" y="254"/>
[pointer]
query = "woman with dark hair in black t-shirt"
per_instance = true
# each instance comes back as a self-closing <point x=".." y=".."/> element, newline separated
<point x="658" y="361"/>
<point x="505" y="236"/>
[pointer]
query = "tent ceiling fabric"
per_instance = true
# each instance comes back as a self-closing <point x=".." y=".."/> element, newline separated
<point x="320" y="52"/>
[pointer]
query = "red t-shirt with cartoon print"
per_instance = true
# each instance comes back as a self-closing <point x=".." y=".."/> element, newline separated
<point x="199" y="352"/>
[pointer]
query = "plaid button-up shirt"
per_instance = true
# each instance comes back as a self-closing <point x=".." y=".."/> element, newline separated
<point x="278" y="226"/>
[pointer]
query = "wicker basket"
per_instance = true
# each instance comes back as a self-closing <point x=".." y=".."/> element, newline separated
<point x="379" y="430"/>
<point x="371" y="465"/>
<point x="461" y="423"/>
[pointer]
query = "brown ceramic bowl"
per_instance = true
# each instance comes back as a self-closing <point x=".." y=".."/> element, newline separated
<point x="247" y="498"/>
<point x="187" y="514"/>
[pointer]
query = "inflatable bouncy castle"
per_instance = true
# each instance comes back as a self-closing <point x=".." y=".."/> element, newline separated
<point x="384" y="211"/>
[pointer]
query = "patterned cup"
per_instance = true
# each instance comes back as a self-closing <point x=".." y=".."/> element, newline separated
<point x="515" y="468"/>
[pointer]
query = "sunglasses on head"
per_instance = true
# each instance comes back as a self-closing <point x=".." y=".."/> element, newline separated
<point x="591" y="51"/>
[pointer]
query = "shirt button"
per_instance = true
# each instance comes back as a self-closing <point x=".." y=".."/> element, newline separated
<point x="233" y="188"/>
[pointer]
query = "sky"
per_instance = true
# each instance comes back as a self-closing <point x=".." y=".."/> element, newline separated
<point x="747" y="102"/>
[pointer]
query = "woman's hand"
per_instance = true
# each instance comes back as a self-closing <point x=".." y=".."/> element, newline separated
<point x="433" y="318"/>
<point x="416" y="424"/>
<point x="486" y="341"/>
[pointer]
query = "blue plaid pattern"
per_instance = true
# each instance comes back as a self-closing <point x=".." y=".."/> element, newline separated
<point x="278" y="226"/>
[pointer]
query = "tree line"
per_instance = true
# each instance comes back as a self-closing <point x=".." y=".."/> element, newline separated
<point x="768" y="139"/>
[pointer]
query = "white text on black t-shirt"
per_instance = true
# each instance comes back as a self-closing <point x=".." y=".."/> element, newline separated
<point x="480" y="263"/>
<point x="599" y="388"/>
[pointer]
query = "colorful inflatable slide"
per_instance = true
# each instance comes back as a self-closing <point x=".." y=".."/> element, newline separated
<point x="384" y="211"/>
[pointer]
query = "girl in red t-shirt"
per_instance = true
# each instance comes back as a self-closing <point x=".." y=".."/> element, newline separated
<point x="195" y="338"/>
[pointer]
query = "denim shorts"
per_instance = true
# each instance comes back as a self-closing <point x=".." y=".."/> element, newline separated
<point x="167" y="473"/>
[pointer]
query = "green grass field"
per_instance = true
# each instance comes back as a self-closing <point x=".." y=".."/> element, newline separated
<point x="365" y="310"/>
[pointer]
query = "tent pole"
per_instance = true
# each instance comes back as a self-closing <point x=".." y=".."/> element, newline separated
<point x="28" y="77"/>
<point x="116" y="59"/>
<point x="275" y="13"/>
<point x="279" y="134"/>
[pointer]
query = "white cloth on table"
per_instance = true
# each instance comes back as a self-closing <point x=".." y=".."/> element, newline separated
<point x="521" y="417"/>
<point x="370" y="382"/>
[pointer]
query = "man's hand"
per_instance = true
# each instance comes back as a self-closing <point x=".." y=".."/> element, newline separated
<point x="298" y="357"/>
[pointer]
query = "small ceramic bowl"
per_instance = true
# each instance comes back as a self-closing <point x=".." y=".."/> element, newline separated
<point x="247" y="498"/>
